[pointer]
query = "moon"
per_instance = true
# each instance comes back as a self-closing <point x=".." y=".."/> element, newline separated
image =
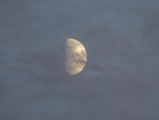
<point x="76" y="57"/>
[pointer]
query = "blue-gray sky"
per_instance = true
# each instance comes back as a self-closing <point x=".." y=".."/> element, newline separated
<point x="120" y="80"/>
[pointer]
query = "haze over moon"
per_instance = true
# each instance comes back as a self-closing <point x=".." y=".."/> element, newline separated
<point x="76" y="57"/>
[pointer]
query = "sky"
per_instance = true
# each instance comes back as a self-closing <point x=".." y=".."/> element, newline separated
<point x="121" y="77"/>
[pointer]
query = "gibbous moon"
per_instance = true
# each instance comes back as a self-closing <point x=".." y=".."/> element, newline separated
<point x="76" y="56"/>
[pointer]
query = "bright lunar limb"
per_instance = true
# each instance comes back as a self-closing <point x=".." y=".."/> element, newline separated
<point x="76" y="56"/>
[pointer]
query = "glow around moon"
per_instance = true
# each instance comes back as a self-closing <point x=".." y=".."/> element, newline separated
<point x="76" y="56"/>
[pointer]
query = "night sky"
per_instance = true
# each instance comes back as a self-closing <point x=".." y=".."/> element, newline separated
<point x="120" y="80"/>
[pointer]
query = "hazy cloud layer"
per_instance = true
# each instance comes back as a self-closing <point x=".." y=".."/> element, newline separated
<point x="121" y="77"/>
